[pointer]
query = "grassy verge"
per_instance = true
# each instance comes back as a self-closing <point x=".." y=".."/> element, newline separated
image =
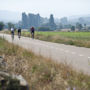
<point x="42" y="73"/>
<point x="81" y="39"/>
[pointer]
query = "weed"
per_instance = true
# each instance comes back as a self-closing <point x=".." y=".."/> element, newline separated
<point x="42" y="73"/>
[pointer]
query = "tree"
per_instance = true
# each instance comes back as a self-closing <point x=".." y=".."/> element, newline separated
<point x="88" y="28"/>
<point x="72" y="28"/>
<point x="64" y="20"/>
<point x="68" y="26"/>
<point x="81" y="20"/>
<point x="60" y="26"/>
<point x="79" y="26"/>
<point x="43" y="29"/>
<point x="85" y="26"/>
<point x="10" y="25"/>
<point x="1" y="25"/>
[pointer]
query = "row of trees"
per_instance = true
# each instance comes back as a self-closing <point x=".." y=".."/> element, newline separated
<point x="1" y="25"/>
<point x="43" y="24"/>
<point x="63" y="25"/>
<point x="77" y="26"/>
<point x="8" y="25"/>
<point x="49" y="26"/>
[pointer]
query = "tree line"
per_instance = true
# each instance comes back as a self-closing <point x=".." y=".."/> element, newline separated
<point x="44" y="24"/>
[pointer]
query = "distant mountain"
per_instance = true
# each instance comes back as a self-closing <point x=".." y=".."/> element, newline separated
<point x="9" y="16"/>
<point x="75" y="17"/>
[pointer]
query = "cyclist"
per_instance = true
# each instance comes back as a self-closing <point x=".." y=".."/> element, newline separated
<point x="32" y="32"/>
<point x="19" y="32"/>
<point x="12" y="33"/>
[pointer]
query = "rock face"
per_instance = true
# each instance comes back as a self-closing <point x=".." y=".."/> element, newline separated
<point x="11" y="82"/>
<point x="2" y="63"/>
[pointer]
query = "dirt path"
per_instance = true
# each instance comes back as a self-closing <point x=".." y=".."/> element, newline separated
<point x="78" y="57"/>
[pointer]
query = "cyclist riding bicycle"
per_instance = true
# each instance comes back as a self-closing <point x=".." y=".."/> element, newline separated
<point x="32" y="32"/>
<point x="12" y="33"/>
<point x="19" y="33"/>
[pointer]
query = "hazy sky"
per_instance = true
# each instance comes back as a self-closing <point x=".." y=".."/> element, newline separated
<point x="59" y="8"/>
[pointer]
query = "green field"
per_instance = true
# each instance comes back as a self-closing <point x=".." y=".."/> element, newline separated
<point x="81" y="39"/>
<point x="73" y="35"/>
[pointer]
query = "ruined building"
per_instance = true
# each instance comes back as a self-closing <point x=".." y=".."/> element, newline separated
<point x="30" y="20"/>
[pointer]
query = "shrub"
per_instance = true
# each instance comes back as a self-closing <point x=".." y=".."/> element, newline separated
<point x="43" y="29"/>
<point x="1" y="25"/>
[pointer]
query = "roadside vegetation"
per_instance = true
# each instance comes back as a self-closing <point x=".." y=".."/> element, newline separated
<point x="42" y="73"/>
<point x="81" y="39"/>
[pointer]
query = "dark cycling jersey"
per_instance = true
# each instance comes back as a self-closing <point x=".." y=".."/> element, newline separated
<point x="19" y="30"/>
<point x="19" y="33"/>
<point x="32" y="32"/>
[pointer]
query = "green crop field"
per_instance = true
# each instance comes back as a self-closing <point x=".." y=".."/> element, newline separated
<point x="81" y="39"/>
<point x="73" y="35"/>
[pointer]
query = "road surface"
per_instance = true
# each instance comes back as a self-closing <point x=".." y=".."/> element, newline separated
<point x="77" y="57"/>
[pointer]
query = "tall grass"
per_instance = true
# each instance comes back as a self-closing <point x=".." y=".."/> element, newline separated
<point x="42" y="73"/>
<point x="81" y="39"/>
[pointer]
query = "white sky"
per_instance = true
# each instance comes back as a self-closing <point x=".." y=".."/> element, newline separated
<point x="59" y="8"/>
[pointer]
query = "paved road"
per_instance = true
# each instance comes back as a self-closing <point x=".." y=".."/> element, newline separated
<point x="77" y="57"/>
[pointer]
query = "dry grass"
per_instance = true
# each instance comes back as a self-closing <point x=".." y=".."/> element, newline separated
<point x="64" y="40"/>
<point x="70" y="38"/>
<point x="83" y="41"/>
<point x="42" y="73"/>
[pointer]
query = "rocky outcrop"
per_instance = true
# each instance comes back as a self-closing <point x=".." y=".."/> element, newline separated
<point x="2" y="63"/>
<point x="11" y="81"/>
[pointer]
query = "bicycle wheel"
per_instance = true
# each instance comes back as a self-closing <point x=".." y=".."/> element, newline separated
<point x="19" y="35"/>
<point x="12" y="36"/>
<point x="32" y="35"/>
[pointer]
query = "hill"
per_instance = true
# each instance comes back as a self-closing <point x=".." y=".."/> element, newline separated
<point x="9" y="16"/>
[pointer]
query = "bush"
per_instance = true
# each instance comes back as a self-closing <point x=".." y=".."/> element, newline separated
<point x="72" y="28"/>
<point x="1" y="25"/>
<point x="44" y="29"/>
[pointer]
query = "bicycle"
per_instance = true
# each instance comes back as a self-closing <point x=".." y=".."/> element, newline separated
<point x="12" y="35"/>
<point x="19" y="35"/>
<point x="32" y="35"/>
